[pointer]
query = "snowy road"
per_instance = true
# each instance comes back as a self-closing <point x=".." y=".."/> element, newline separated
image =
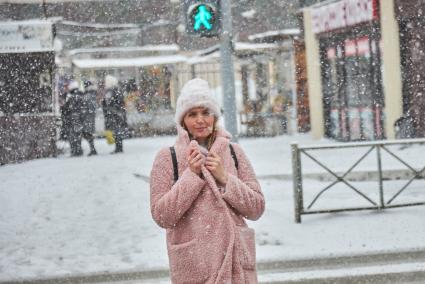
<point x="88" y="215"/>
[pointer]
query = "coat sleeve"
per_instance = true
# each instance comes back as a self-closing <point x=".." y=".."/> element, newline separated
<point x="243" y="192"/>
<point x="169" y="202"/>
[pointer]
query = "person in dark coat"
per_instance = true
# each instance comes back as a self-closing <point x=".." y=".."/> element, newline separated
<point x="89" y="114"/>
<point x="114" y="112"/>
<point x="73" y="111"/>
<point x="64" y="130"/>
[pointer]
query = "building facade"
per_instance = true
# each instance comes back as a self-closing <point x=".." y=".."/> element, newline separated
<point x="27" y="101"/>
<point x="411" y="22"/>
<point x="353" y="63"/>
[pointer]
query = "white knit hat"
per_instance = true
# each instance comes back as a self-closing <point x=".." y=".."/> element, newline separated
<point x="72" y="85"/>
<point x="110" y="82"/>
<point x="196" y="93"/>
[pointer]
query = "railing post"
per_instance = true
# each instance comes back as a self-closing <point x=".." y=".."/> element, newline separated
<point x="381" y="183"/>
<point x="297" y="182"/>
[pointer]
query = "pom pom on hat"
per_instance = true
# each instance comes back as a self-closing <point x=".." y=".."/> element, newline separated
<point x="110" y="82"/>
<point x="196" y="93"/>
<point x="73" y="85"/>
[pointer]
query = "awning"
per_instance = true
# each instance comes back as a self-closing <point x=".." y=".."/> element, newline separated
<point x="106" y="63"/>
<point x="286" y="33"/>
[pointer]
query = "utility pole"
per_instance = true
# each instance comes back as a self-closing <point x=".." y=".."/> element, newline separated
<point x="228" y="80"/>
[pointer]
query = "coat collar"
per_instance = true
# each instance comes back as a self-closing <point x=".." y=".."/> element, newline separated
<point x="220" y="144"/>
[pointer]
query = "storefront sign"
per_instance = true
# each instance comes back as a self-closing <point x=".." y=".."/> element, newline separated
<point x="357" y="47"/>
<point x="26" y="36"/>
<point x="343" y="14"/>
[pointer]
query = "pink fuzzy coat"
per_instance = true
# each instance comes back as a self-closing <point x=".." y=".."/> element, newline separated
<point x="208" y="240"/>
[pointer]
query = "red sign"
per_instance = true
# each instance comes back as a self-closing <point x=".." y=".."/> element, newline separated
<point x="357" y="47"/>
<point x="343" y="14"/>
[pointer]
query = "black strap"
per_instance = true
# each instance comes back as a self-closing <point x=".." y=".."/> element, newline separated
<point x="235" y="159"/>
<point x="176" y="169"/>
<point x="175" y="166"/>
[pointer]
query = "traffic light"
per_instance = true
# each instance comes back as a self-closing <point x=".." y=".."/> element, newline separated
<point x="203" y="17"/>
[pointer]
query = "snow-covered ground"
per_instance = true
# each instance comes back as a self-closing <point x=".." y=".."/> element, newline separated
<point x="91" y="214"/>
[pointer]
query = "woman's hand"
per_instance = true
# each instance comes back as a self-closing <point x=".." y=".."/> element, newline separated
<point x="214" y="164"/>
<point x="195" y="160"/>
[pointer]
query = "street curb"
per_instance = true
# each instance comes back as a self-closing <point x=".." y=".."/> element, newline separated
<point x="281" y="266"/>
<point x="378" y="278"/>
<point x="344" y="260"/>
<point x="95" y="277"/>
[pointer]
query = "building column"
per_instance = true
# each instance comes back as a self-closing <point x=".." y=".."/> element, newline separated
<point x="314" y="78"/>
<point x="391" y="66"/>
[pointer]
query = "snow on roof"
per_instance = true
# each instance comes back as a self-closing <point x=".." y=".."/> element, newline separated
<point x="98" y="34"/>
<point x="241" y="46"/>
<point x="159" y="23"/>
<point x="160" y="47"/>
<point x="28" y="22"/>
<point x="287" y="32"/>
<point x="98" y="25"/>
<point x="155" y="60"/>
<point x="202" y="58"/>
<point x="249" y="13"/>
<point x="127" y="62"/>
<point x="214" y="51"/>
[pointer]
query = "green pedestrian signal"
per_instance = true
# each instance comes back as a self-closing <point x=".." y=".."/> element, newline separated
<point x="203" y="18"/>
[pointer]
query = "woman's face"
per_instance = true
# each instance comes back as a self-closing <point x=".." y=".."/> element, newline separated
<point x="199" y="122"/>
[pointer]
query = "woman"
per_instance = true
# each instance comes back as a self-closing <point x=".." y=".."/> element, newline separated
<point x="204" y="207"/>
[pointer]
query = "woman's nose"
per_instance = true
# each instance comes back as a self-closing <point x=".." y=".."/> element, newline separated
<point x="199" y="118"/>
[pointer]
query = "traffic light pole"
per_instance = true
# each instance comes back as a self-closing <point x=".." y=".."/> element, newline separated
<point x="227" y="73"/>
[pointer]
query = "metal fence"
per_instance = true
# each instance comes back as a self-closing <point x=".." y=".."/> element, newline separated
<point x="378" y="147"/>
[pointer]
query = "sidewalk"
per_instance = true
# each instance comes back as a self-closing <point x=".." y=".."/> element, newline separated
<point x="402" y="267"/>
<point x="80" y="216"/>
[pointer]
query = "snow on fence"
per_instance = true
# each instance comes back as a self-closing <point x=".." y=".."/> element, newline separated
<point x="376" y="196"/>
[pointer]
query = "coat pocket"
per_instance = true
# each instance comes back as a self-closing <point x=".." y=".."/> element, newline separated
<point x="247" y="245"/>
<point x="187" y="263"/>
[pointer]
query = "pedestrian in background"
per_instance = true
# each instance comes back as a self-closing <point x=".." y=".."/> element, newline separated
<point x="89" y="114"/>
<point x="64" y="130"/>
<point x="114" y="112"/>
<point x="201" y="192"/>
<point x="73" y="109"/>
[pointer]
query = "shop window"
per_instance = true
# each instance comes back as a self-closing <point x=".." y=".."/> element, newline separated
<point x="351" y="88"/>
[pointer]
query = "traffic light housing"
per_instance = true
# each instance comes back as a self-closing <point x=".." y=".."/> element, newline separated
<point x="203" y="18"/>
